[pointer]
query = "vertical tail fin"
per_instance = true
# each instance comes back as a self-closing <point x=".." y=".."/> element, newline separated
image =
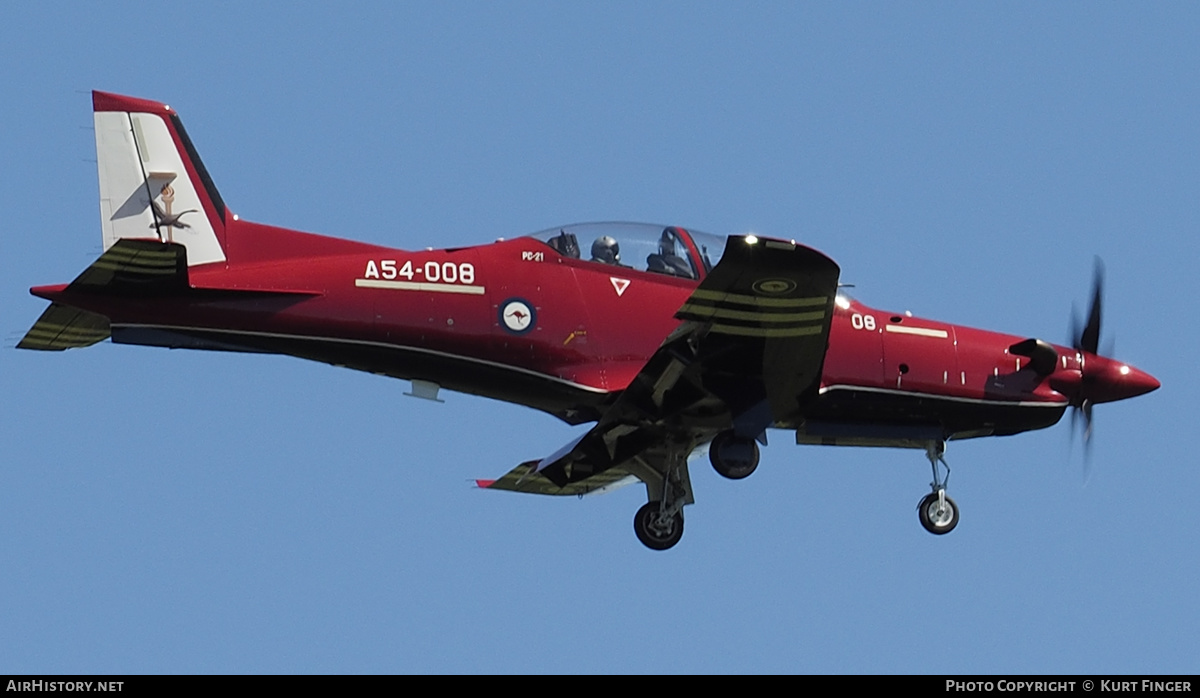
<point x="152" y="182"/>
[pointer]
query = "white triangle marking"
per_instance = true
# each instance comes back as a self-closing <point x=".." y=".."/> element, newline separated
<point x="619" y="285"/>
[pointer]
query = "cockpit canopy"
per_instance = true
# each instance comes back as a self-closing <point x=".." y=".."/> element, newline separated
<point x="658" y="249"/>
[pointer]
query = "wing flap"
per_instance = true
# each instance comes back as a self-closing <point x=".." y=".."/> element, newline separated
<point x="525" y="478"/>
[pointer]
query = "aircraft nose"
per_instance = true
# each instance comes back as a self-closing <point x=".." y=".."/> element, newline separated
<point x="1112" y="380"/>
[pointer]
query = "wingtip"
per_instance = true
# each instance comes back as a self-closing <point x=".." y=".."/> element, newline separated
<point x="50" y="292"/>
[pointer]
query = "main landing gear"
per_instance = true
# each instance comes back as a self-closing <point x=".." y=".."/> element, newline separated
<point x="733" y="456"/>
<point x="938" y="513"/>
<point x="659" y="523"/>
<point x="657" y="526"/>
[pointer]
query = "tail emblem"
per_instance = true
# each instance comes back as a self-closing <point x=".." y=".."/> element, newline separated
<point x="163" y="215"/>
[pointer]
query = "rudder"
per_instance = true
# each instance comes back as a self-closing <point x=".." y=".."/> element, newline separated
<point x="152" y="182"/>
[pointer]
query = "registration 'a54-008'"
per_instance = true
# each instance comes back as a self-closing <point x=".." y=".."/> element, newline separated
<point x="445" y="272"/>
<point x="447" y="277"/>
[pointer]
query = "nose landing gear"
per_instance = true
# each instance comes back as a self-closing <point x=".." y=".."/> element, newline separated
<point x="938" y="513"/>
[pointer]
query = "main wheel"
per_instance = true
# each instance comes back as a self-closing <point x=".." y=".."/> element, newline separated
<point x="656" y="534"/>
<point x="936" y="519"/>
<point x="732" y="456"/>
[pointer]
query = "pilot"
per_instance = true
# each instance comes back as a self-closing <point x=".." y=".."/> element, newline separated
<point x="565" y="243"/>
<point x="666" y="261"/>
<point x="606" y="250"/>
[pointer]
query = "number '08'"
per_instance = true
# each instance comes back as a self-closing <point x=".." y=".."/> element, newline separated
<point x="862" y="322"/>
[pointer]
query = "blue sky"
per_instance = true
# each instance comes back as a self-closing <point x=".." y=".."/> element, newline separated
<point x="173" y="511"/>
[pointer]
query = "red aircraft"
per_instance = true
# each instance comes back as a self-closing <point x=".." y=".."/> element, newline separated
<point x="667" y="339"/>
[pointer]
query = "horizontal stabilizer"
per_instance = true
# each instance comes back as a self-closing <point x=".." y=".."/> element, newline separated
<point x="136" y="267"/>
<point x="62" y="327"/>
<point x="146" y="269"/>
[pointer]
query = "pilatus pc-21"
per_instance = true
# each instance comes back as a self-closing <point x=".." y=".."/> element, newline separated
<point x="667" y="339"/>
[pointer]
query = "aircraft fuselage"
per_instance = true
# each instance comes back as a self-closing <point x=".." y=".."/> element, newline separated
<point x="518" y="321"/>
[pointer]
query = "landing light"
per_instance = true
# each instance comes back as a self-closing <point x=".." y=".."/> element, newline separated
<point x="751" y="239"/>
<point x="842" y="302"/>
<point x="1124" y="370"/>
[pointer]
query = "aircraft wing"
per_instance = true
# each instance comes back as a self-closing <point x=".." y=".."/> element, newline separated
<point x="766" y="310"/>
<point x="749" y="353"/>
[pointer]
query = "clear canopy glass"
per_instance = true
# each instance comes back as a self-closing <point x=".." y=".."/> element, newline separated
<point x="646" y="247"/>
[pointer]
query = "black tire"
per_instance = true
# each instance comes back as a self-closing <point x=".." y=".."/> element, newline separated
<point x="937" y="523"/>
<point x="732" y="456"/>
<point x="653" y="537"/>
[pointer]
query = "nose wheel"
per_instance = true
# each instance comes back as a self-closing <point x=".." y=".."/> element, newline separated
<point x="938" y="513"/>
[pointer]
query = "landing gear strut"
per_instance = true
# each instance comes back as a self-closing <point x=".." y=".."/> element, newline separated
<point x="938" y="513"/>
<point x="733" y="456"/>
<point x="659" y="523"/>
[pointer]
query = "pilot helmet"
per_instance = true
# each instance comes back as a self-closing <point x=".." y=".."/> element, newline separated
<point x="605" y="249"/>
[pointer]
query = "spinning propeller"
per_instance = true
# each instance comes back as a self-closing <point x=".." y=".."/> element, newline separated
<point x="1100" y="379"/>
<point x="1087" y="341"/>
